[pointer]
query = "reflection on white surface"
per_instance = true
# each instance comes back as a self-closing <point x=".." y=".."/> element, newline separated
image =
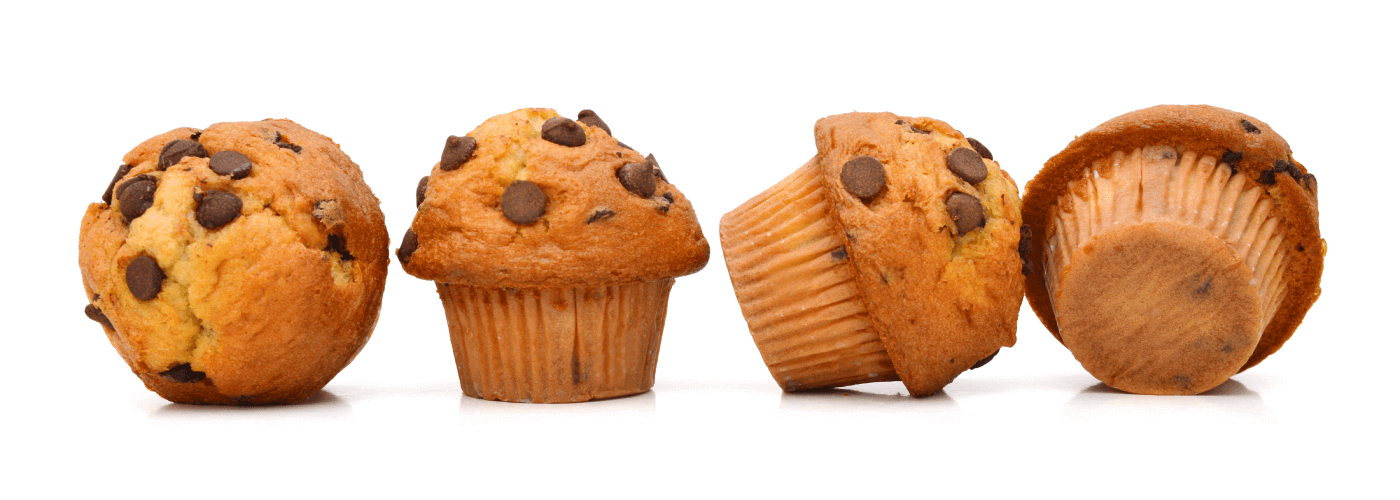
<point x="876" y="398"/>
<point x="1231" y="398"/>
<point x="322" y="405"/>
<point x="639" y="404"/>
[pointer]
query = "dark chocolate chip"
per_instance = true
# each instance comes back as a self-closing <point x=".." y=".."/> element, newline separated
<point x="144" y="277"/>
<point x="966" y="212"/>
<point x="1267" y="178"/>
<point x="588" y="117"/>
<point x="422" y="190"/>
<point x="1024" y="248"/>
<point x="670" y="198"/>
<point x="136" y="196"/>
<point x="231" y="164"/>
<point x="336" y="243"/>
<point x="967" y="165"/>
<point x="603" y="214"/>
<point x="981" y="150"/>
<point x="95" y="314"/>
<point x="624" y="146"/>
<point x="1282" y="166"/>
<point x="864" y="177"/>
<point x="1249" y="127"/>
<point x="177" y="149"/>
<point x="656" y="167"/>
<point x="1232" y="158"/>
<point x="638" y="178"/>
<point x="523" y="202"/>
<point x="900" y="122"/>
<point x="985" y="360"/>
<point x="283" y="143"/>
<point x="218" y="208"/>
<point x="407" y="246"/>
<point x="1309" y="181"/>
<point x="121" y="172"/>
<point x="182" y="373"/>
<point x="918" y="130"/>
<point x="664" y="208"/>
<point x="1300" y="248"/>
<point x="839" y="253"/>
<point x="564" y="132"/>
<point x="457" y="151"/>
<point x="195" y="136"/>
<point x="198" y="196"/>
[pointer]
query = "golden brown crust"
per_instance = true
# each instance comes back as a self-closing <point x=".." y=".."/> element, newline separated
<point x="941" y="302"/>
<point x="593" y="230"/>
<point x="1207" y="130"/>
<point x="265" y="306"/>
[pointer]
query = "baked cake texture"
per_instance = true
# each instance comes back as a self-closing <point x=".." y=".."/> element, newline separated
<point x="240" y="264"/>
<point x="1173" y="247"/>
<point x="554" y="248"/>
<point x="893" y="254"/>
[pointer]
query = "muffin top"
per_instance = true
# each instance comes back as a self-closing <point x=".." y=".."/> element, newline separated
<point x="932" y="226"/>
<point x="243" y="263"/>
<point x="1248" y="145"/>
<point x="532" y="199"/>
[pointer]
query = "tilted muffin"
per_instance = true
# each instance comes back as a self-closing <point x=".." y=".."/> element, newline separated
<point x="1173" y="247"/>
<point x="554" y="248"/>
<point x="891" y="255"/>
<point x="239" y="264"/>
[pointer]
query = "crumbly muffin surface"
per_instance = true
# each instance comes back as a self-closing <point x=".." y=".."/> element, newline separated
<point x="531" y="199"/>
<point x="934" y="239"/>
<point x="239" y="264"/>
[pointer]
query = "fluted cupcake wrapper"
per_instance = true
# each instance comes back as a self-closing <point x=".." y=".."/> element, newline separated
<point x="556" y="345"/>
<point x="797" y="288"/>
<point x="1214" y="238"/>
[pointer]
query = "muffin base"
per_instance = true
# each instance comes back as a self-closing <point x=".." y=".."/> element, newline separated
<point x="556" y="345"/>
<point x="797" y="288"/>
<point x="1163" y="268"/>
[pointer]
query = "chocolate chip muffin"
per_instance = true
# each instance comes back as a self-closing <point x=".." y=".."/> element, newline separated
<point x="554" y="248"/>
<point x="891" y="255"/>
<point x="240" y="264"/>
<point x="1173" y="247"/>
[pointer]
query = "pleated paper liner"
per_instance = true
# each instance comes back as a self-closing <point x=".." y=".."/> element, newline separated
<point x="556" y="345"/>
<point x="797" y="289"/>
<point x="1163" y="267"/>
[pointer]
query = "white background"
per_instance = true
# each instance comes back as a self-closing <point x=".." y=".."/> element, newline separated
<point x="725" y="95"/>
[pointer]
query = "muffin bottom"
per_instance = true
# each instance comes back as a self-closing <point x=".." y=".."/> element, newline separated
<point x="556" y="345"/>
<point x="1159" y="308"/>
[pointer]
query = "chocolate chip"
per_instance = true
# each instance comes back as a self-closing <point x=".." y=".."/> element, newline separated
<point x="637" y="178"/>
<point x="863" y="176"/>
<point x="663" y="208"/>
<point x="407" y="246"/>
<point x="336" y="243"/>
<point x="985" y="360"/>
<point x="1282" y="166"/>
<point x="588" y="117"/>
<point x="523" y="202"/>
<point x="1309" y="181"/>
<point x="231" y="164"/>
<point x="95" y="314"/>
<point x="144" y="277"/>
<point x="900" y="122"/>
<point x="981" y="150"/>
<point x="669" y="198"/>
<point x="456" y="152"/>
<point x="1267" y="178"/>
<point x="564" y="132"/>
<point x="283" y="143"/>
<point x="195" y="136"/>
<point x="136" y="196"/>
<point x="1300" y="248"/>
<point x="177" y="149"/>
<point x="1024" y="248"/>
<point x="839" y="253"/>
<point x="603" y="214"/>
<point x="624" y="146"/>
<point x="182" y="373"/>
<point x="967" y="165"/>
<point x="218" y="208"/>
<point x="656" y="167"/>
<point x="422" y="190"/>
<point x="1232" y="158"/>
<point x="966" y="212"/>
<point x="121" y="172"/>
<point x="1249" y="127"/>
<point x="918" y="130"/>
